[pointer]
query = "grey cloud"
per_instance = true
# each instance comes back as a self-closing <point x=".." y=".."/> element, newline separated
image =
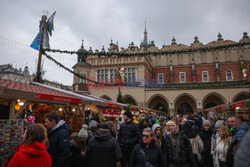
<point x="97" y="21"/>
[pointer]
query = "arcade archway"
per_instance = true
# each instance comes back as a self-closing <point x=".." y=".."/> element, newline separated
<point x="212" y="100"/>
<point x="158" y="102"/>
<point x="106" y="97"/>
<point x="184" y="104"/>
<point x="241" y="96"/>
<point x="127" y="99"/>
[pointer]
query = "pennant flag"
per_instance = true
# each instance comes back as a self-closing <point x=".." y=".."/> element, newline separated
<point x="50" y="23"/>
<point x="36" y="43"/>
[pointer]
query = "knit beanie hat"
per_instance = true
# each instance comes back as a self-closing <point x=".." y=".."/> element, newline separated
<point x="206" y="122"/>
<point x="83" y="133"/>
<point x="128" y="114"/>
<point x="93" y="125"/>
<point x="155" y="126"/>
<point x="218" y="124"/>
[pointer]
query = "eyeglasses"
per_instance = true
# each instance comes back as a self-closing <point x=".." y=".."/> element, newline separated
<point x="147" y="136"/>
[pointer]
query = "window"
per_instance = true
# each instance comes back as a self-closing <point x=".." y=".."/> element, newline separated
<point x="161" y="78"/>
<point x="83" y="80"/>
<point x="98" y="75"/>
<point x="229" y="75"/>
<point x="102" y="75"/>
<point x="204" y="76"/>
<point x="182" y="77"/>
<point x="112" y="75"/>
<point x="129" y="74"/>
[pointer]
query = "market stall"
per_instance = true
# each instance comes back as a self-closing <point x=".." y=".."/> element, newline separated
<point x="22" y="104"/>
<point x="240" y="108"/>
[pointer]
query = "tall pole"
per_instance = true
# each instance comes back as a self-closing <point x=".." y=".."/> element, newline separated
<point x="42" y="29"/>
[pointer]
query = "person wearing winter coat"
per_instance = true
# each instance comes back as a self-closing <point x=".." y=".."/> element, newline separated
<point x="158" y="138"/>
<point x="128" y="137"/>
<point x="242" y="155"/>
<point x="206" y="136"/>
<point x="143" y="124"/>
<point x="214" y="138"/>
<point x="240" y="129"/>
<point x="92" y="129"/>
<point x="147" y="153"/>
<point x="59" y="140"/>
<point x="222" y="145"/>
<point x="32" y="152"/>
<point x="76" y="159"/>
<point x="167" y="130"/>
<point x="191" y="130"/>
<point x="83" y="133"/>
<point x="103" y="149"/>
<point x="179" y="150"/>
<point x="239" y="132"/>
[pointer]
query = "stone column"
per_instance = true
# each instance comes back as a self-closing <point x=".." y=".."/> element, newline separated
<point x="171" y="111"/>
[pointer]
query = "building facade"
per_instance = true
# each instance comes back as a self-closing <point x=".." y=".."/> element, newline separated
<point x="175" y="79"/>
<point x="8" y="72"/>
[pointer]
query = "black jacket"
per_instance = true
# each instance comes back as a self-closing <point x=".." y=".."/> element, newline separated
<point x="103" y="150"/>
<point x="206" y="154"/>
<point x="190" y="129"/>
<point x="128" y="135"/>
<point x="76" y="158"/>
<point x="185" y="155"/>
<point x="59" y="145"/>
<point x="153" y="155"/>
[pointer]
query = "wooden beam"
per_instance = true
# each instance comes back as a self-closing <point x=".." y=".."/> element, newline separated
<point x="21" y="109"/>
<point x="12" y="109"/>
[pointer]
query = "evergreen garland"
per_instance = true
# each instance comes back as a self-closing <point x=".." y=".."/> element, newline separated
<point x="123" y="54"/>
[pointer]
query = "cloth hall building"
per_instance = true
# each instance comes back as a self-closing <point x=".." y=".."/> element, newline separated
<point x="175" y="78"/>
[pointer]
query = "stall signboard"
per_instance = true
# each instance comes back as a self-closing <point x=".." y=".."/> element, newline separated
<point x="134" y="108"/>
<point x="110" y="105"/>
<point x="238" y="104"/>
<point x="41" y="96"/>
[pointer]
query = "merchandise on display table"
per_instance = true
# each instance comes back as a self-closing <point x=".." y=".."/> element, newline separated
<point x="75" y="122"/>
<point x="110" y="113"/>
<point x="10" y="136"/>
<point x="40" y="111"/>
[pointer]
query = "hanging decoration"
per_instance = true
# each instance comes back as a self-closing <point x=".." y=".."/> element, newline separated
<point x="46" y="29"/>
<point x="50" y="23"/>
<point x="27" y="117"/>
<point x="36" y="43"/>
<point x="184" y="51"/>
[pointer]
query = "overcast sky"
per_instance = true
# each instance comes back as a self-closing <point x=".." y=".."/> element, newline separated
<point x="99" y="21"/>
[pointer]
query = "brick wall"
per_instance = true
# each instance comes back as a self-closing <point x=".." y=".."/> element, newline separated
<point x="210" y="68"/>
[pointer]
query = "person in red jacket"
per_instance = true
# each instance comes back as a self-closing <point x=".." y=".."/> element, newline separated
<point x="32" y="152"/>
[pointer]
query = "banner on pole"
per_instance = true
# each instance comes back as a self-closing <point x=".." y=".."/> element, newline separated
<point x="50" y="23"/>
<point x="36" y="43"/>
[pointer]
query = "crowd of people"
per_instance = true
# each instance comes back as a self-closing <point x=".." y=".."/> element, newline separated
<point x="185" y="141"/>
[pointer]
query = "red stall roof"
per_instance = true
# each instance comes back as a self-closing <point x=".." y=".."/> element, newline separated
<point x="15" y="90"/>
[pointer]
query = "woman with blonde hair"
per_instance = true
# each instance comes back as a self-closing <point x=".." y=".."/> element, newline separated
<point x="222" y="144"/>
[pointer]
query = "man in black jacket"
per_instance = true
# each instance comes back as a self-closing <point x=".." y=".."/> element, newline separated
<point x="103" y="149"/>
<point x="58" y="135"/>
<point x="147" y="153"/>
<point x="128" y="137"/>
